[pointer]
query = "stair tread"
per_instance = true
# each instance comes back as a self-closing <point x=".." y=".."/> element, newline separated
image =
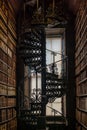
<point x="55" y="122"/>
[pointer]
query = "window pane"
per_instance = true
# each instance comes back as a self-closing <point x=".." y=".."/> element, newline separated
<point x="54" y="47"/>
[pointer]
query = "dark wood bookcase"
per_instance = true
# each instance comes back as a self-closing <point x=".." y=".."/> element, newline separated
<point x="8" y="40"/>
<point x="81" y="66"/>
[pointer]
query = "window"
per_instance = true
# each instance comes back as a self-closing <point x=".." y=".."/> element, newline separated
<point x="54" y="54"/>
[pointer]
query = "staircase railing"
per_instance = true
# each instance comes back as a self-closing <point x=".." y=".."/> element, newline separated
<point x="61" y="114"/>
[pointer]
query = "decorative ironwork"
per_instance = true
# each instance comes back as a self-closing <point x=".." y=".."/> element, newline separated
<point x="36" y="95"/>
<point x="54" y="86"/>
<point x="32" y="49"/>
<point x="55" y="13"/>
<point x="38" y="17"/>
<point x="46" y="13"/>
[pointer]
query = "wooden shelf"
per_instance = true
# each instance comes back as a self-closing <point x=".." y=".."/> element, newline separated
<point x="82" y="95"/>
<point x="82" y="110"/>
<point x="8" y="107"/>
<point x="8" y="41"/>
<point x="6" y="121"/>
<point x="85" y="127"/>
<point x="3" y="17"/>
<point x="85" y="79"/>
<point x="81" y="66"/>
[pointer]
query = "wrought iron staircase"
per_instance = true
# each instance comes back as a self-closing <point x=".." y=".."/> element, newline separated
<point x="35" y="121"/>
<point x="32" y="49"/>
<point x="55" y="87"/>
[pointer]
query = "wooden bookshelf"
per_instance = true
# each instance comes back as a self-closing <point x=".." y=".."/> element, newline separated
<point x="81" y="66"/>
<point x="8" y="40"/>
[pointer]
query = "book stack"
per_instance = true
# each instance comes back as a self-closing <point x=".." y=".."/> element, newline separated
<point x="8" y="40"/>
<point x="81" y="66"/>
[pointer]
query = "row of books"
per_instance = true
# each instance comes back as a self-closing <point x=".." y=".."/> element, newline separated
<point x="81" y="55"/>
<point x="7" y="80"/>
<point x="7" y="90"/>
<point x="83" y="75"/>
<point x="8" y="60"/>
<point x="12" y="91"/>
<point x="8" y="49"/>
<point x="11" y="125"/>
<point x="7" y="102"/>
<point x="3" y="127"/>
<point x="11" y="102"/>
<point x="83" y="103"/>
<point x="3" y="67"/>
<point x="3" y="115"/>
<point x="3" y="89"/>
<point x="7" y="17"/>
<point x="3" y="101"/>
<point x="81" y="66"/>
<point x="7" y="66"/>
<point x="83" y="88"/>
<point x="82" y="118"/>
<point x="3" y="78"/>
<point x="80" y="20"/>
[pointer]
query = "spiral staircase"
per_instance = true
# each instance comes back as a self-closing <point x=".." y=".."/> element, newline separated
<point x="32" y="49"/>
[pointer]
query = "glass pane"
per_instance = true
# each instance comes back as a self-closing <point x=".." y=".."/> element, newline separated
<point x="53" y="54"/>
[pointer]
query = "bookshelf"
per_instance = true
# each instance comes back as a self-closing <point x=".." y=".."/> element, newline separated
<point x="8" y="40"/>
<point x="81" y="66"/>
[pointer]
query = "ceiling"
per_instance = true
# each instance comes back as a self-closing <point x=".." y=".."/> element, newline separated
<point x="72" y="5"/>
